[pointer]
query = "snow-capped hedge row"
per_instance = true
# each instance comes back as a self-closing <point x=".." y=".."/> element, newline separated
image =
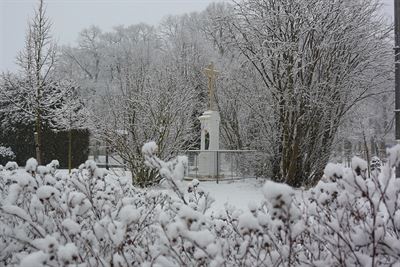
<point x="95" y="219"/>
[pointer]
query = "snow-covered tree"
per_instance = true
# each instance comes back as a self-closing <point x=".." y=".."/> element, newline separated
<point x="311" y="69"/>
<point x="160" y="110"/>
<point x="34" y="93"/>
<point x="368" y="127"/>
<point x="151" y="82"/>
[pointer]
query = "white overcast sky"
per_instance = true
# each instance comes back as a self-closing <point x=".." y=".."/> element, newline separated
<point x="69" y="17"/>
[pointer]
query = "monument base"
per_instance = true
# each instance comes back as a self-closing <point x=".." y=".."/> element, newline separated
<point x="208" y="164"/>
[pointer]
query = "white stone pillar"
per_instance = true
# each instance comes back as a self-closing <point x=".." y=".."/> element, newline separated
<point x="208" y="160"/>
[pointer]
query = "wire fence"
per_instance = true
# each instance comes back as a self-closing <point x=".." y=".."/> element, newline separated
<point x="217" y="165"/>
<point x="212" y="165"/>
<point x="105" y="158"/>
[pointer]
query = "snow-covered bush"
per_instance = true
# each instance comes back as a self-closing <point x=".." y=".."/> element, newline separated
<point x="92" y="218"/>
<point x="6" y="154"/>
<point x="376" y="164"/>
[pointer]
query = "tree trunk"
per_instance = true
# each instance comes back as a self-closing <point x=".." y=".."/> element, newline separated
<point x="38" y="137"/>
<point x="69" y="150"/>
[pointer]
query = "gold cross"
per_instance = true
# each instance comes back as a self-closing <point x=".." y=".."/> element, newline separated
<point x="211" y="74"/>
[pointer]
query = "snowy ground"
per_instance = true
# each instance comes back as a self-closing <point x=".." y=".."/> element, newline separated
<point x="236" y="193"/>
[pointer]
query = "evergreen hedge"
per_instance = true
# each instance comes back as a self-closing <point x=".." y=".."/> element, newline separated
<point x="55" y="145"/>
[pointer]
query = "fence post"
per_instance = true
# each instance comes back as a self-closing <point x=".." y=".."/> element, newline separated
<point x="197" y="164"/>
<point x="231" y="166"/>
<point x="217" y="167"/>
<point x="107" y="165"/>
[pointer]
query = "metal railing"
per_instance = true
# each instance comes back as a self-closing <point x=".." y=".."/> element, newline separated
<point x="216" y="165"/>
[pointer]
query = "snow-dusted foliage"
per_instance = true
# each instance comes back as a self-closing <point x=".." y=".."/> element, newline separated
<point x="6" y="152"/>
<point x="95" y="219"/>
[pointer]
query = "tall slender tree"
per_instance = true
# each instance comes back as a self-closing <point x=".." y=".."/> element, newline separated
<point x="35" y="92"/>
<point x="37" y="61"/>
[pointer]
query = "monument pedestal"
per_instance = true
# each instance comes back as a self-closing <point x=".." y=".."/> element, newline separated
<point x="207" y="160"/>
<point x="208" y="164"/>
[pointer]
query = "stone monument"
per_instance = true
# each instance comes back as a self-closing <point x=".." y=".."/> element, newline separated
<point x="208" y="161"/>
